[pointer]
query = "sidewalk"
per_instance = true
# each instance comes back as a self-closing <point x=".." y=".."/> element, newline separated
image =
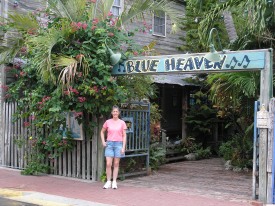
<point x="61" y="191"/>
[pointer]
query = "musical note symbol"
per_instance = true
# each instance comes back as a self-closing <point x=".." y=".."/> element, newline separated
<point x="246" y="59"/>
<point x="234" y="64"/>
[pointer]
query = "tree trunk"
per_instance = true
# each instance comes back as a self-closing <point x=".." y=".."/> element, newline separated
<point x="230" y="27"/>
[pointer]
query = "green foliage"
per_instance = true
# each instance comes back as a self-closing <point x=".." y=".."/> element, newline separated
<point x="68" y="69"/>
<point x="239" y="149"/>
<point x="103" y="177"/>
<point x="155" y="117"/>
<point x="200" y="117"/>
<point x="157" y="156"/>
<point x="203" y="153"/>
<point x="195" y="13"/>
<point x="189" y="145"/>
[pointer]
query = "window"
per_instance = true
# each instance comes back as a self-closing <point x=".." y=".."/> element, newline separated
<point x="117" y="7"/>
<point x="159" y="24"/>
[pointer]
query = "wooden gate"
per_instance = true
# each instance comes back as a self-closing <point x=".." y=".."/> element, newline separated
<point x="137" y="117"/>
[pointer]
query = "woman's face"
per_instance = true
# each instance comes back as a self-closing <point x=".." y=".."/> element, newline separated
<point x="115" y="113"/>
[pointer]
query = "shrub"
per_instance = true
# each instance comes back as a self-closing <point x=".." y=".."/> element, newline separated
<point x="157" y="156"/>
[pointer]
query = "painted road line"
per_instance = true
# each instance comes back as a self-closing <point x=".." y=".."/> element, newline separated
<point x="45" y="199"/>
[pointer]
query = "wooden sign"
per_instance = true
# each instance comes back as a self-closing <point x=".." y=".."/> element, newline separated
<point x="192" y="63"/>
<point x="263" y="119"/>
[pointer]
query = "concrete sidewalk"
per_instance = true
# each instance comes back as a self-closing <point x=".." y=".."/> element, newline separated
<point x="60" y="191"/>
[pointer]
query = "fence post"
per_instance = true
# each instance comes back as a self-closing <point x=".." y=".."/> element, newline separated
<point x="2" y="82"/>
<point x="100" y="151"/>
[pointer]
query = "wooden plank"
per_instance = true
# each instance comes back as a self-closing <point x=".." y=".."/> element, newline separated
<point x="12" y="136"/>
<point x="94" y="150"/>
<point x="16" y="138"/>
<point x="65" y="160"/>
<point x="88" y="156"/>
<point x="4" y="134"/>
<point x="22" y="149"/>
<point x="55" y="163"/>
<point x="270" y="153"/>
<point x="78" y="163"/>
<point x="100" y="152"/>
<point x="83" y="143"/>
<point x="74" y="162"/>
<point x="69" y="163"/>
<point x="266" y="92"/>
<point x="27" y="146"/>
<point x="60" y="165"/>
<point x="8" y="143"/>
<point x="263" y="165"/>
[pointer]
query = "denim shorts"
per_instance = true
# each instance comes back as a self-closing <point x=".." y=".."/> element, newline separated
<point x="113" y="149"/>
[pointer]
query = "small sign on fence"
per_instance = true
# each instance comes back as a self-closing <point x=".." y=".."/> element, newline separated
<point x="129" y="123"/>
<point x="74" y="127"/>
<point x="263" y="119"/>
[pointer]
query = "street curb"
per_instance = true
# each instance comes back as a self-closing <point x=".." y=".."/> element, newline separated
<point x="45" y="199"/>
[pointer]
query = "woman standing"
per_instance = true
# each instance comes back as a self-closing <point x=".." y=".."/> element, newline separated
<point x="114" y="146"/>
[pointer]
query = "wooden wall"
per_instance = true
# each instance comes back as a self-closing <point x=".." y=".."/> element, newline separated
<point x="164" y="45"/>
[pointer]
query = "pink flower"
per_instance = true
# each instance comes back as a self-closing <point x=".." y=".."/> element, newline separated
<point x="95" y="21"/>
<point x="93" y="27"/>
<point x="26" y="124"/>
<point x="7" y="96"/>
<point x="79" y="25"/>
<point x="74" y="90"/>
<point x="110" y="13"/>
<point x="22" y="74"/>
<point x="84" y="26"/>
<point x="81" y="99"/>
<point x="67" y="93"/>
<point x="135" y="53"/>
<point x="46" y="98"/>
<point x="44" y="143"/>
<point x="32" y="117"/>
<point x="78" y="114"/>
<point x="4" y="87"/>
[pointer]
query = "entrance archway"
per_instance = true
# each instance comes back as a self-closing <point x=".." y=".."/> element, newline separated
<point x="230" y="61"/>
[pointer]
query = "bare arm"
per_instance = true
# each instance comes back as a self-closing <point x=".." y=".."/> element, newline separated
<point x="124" y="142"/>
<point x="102" y="135"/>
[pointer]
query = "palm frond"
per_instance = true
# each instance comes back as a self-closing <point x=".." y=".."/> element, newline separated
<point x="257" y="20"/>
<point x="10" y="46"/>
<point x="67" y="74"/>
<point x="59" y="9"/>
<point x="22" y="22"/>
<point x="103" y="8"/>
<point x="41" y="46"/>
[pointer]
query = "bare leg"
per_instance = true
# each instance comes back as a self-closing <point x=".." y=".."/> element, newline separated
<point x="116" y="167"/>
<point x="109" y="161"/>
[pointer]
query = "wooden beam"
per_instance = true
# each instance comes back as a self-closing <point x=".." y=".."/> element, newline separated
<point x="100" y="151"/>
<point x="266" y="92"/>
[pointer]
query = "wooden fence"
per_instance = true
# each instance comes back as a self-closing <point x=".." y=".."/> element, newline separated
<point x="84" y="161"/>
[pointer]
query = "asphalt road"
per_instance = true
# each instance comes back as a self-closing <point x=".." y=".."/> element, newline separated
<point x="8" y="202"/>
